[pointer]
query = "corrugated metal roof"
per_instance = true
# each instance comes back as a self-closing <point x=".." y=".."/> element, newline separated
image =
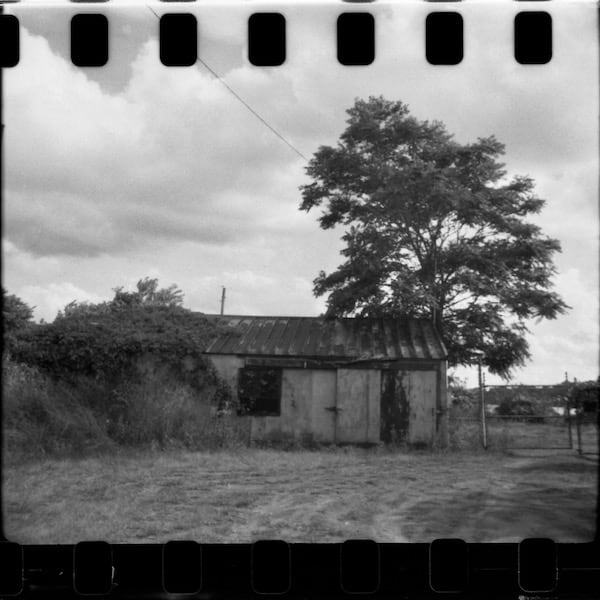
<point x="358" y="338"/>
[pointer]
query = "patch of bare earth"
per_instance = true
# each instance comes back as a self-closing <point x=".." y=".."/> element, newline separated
<point x="302" y="496"/>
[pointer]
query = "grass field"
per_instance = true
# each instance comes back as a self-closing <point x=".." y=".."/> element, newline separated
<point x="302" y="496"/>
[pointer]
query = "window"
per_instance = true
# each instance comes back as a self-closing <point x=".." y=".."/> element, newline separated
<point x="259" y="391"/>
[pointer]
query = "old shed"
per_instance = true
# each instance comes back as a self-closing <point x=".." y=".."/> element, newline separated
<point x="351" y="380"/>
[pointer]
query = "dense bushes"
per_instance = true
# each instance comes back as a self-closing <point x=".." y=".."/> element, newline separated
<point x="129" y="372"/>
<point x="108" y="341"/>
<point x="45" y="416"/>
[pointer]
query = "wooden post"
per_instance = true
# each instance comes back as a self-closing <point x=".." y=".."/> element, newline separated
<point x="578" y="422"/>
<point x="569" y="425"/>
<point x="444" y="409"/>
<point x="482" y="404"/>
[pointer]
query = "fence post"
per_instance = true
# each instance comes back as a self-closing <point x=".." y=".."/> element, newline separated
<point x="569" y="425"/>
<point x="578" y="422"/>
<point x="482" y="403"/>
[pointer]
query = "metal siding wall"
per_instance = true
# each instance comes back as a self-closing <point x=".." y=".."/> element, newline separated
<point x="442" y="433"/>
<point x="422" y="395"/>
<point x="374" y="399"/>
<point x="305" y="396"/>
<point x="296" y="392"/>
<point x="323" y="398"/>
<point x="358" y="397"/>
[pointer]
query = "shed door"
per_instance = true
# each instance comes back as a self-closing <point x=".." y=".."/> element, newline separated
<point x="408" y="402"/>
<point x="421" y="400"/>
<point x="357" y="405"/>
<point x="323" y="404"/>
<point x="307" y="403"/>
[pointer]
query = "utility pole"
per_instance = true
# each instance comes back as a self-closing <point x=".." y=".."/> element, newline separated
<point x="223" y="301"/>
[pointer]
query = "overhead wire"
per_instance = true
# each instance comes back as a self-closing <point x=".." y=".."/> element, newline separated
<point x="243" y="102"/>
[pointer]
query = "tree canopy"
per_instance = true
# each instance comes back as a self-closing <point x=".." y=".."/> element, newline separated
<point x="107" y="339"/>
<point x="433" y="228"/>
<point x="16" y="315"/>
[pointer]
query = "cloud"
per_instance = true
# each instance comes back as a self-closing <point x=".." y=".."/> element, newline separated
<point x="49" y="299"/>
<point x="174" y="157"/>
<point x="138" y="169"/>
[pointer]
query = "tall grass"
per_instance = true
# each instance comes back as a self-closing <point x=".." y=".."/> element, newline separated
<point x="45" y="417"/>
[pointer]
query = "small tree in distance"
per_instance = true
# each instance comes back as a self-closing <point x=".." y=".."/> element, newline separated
<point x="434" y="229"/>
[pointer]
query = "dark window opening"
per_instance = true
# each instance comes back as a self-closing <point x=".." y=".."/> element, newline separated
<point x="259" y="391"/>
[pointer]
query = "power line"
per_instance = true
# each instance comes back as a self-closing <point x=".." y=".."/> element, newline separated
<point x="238" y="97"/>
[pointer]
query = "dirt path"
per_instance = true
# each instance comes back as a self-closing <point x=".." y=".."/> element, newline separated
<point x="324" y="496"/>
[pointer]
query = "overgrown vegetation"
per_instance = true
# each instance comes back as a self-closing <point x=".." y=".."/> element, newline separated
<point x="124" y="373"/>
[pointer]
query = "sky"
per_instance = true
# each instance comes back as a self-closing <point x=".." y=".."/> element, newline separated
<point x="136" y="169"/>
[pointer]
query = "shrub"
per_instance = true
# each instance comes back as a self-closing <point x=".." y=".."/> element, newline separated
<point x="166" y="412"/>
<point x="518" y="408"/>
<point x="107" y="340"/>
<point x="44" y="416"/>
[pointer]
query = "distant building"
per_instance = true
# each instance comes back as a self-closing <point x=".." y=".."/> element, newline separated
<point x="351" y="380"/>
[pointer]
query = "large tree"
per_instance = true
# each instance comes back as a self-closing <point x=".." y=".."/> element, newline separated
<point x="434" y="229"/>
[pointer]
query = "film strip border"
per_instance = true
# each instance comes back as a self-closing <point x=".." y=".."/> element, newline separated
<point x="356" y="38"/>
<point x="446" y="566"/>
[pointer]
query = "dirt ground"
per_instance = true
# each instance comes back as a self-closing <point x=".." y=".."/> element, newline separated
<point x="303" y="496"/>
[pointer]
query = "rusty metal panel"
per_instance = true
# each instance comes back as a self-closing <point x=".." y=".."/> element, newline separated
<point x="311" y="339"/>
<point x="276" y="335"/>
<point x="351" y="338"/>
<point x="294" y="338"/>
<point x="373" y="405"/>
<point x="306" y="397"/>
<point x="394" y="406"/>
<point x="415" y="342"/>
<point x="247" y="343"/>
<point x="422" y="406"/>
<point x="325" y="340"/>
<point x="402" y="339"/>
<point x="324" y="383"/>
<point x="357" y="402"/>
<point x="409" y="401"/>
<point x="351" y="424"/>
<point x="284" y="339"/>
<point x="296" y="392"/>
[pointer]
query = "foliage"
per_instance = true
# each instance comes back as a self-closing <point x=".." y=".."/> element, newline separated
<point x="147" y="328"/>
<point x="259" y="391"/>
<point x="128" y="372"/>
<point x="44" y="416"/>
<point x="434" y="229"/>
<point x="16" y="316"/>
<point x="586" y="395"/>
<point x="462" y="398"/>
<point x="148" y="293"/>
<point x="515" y="407"/>
<point x="110" y="341"/>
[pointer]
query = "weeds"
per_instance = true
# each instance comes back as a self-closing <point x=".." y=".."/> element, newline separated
<point x="47" y="417"/>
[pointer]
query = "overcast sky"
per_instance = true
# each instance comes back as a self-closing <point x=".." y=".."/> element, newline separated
<point x="136" y="169"/>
